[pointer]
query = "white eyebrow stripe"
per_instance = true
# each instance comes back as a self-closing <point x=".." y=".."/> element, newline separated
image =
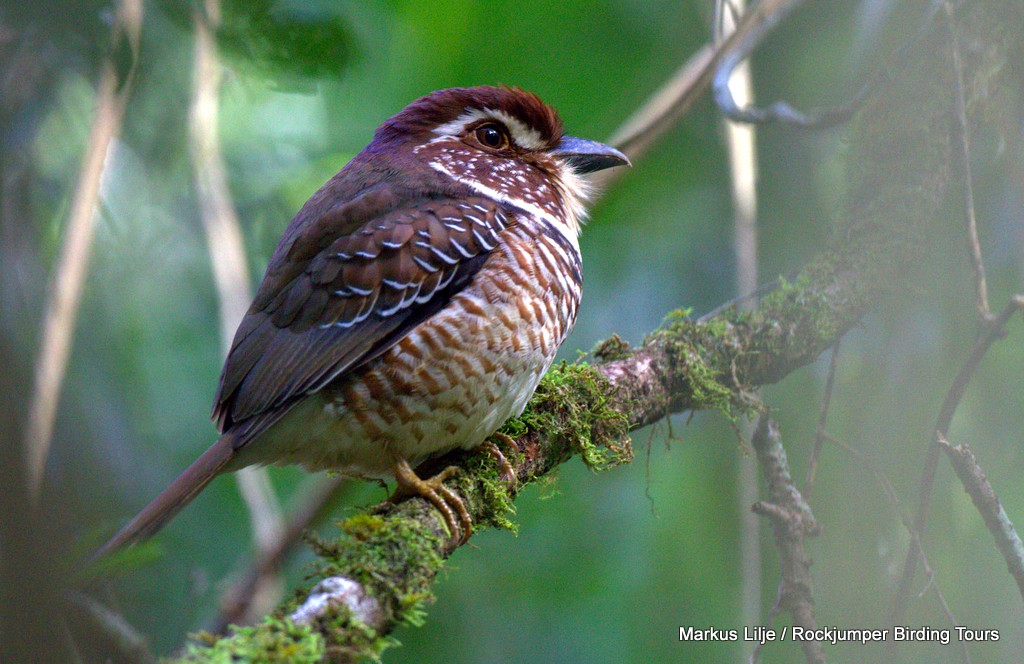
<point x="459" y="124"/>
<point x="523" y="135"/>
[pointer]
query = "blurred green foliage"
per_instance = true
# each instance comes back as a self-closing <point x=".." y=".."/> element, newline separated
<point x="606" y="566"/>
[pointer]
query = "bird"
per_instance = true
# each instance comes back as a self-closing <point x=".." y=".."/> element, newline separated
<point x="411" y="306"/>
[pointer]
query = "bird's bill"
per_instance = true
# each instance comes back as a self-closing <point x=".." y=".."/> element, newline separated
<point x="588" y="156"/>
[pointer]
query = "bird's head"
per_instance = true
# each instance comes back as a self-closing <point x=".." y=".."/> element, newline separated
<point x="505" y="144"/>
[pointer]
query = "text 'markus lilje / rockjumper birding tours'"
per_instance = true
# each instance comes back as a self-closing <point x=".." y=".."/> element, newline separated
<point x="411" y="306"/>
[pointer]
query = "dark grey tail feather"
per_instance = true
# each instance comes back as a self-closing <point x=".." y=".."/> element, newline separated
<point x="171" y="500"/>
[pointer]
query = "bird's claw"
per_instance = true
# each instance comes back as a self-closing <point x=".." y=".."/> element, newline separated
<point x="508" y="473"/>
<point x="447" y="502"/>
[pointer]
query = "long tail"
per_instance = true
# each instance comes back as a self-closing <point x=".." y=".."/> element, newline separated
<point x="171" y="500"/>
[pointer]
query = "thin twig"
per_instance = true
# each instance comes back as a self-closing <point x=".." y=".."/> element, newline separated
<point x="894" y="501"/>
<point x="991" y="509"/>
<point x="791" y="520"/>
<point x="688" y="84"/>
<point x="962" y="131"/>
<point x="131" y="645"/>
<point x="819" y="433"/>
<point x="819" y="439"/>
<point x="783" y="112"/>
<point x="112" y="96"/>
<point x="740" y="302"/>
<point x="995" y="330"/>
<point x="227" y="255"/>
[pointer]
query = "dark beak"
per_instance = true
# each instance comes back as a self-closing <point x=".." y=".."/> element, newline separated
<point x="588" y="156"/>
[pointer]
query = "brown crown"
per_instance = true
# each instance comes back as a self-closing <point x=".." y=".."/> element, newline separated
<point x="437" y="108"/>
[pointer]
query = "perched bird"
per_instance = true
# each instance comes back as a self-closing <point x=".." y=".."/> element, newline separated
<point x="411" y="306"/>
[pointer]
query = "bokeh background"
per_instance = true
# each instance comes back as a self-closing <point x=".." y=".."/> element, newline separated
<point x="606" y="566"/>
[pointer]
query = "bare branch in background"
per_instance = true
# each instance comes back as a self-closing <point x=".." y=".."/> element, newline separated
<point x="791" y="520"/>
<point x="991" y="509"/>
<point x="964" y="132"/>
<point x="782" y="112"/>
<point x="689" y="83"/>
<point x="226" y="247"/>
<point x="996" y="330"/>
<point x="113" y="92"/>
<point x="894" y="501"/>
<point x="130" y="644"/>
<point x="819" y="439"/>
<point x="819" y="433"/>
<point x="224" y="238"/>
<point x="741" y="146"/>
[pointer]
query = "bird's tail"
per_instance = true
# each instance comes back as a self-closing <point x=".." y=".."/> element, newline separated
<point x="171" y="500"/>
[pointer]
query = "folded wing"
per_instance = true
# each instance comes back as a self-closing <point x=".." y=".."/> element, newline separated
<point x="343" y="292"/>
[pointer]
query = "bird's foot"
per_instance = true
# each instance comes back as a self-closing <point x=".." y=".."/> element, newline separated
<point x="508" y="473"/>
<point x="447" y="502"/>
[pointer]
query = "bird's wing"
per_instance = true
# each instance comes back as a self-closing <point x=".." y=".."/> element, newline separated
<point x="342" y="290"/>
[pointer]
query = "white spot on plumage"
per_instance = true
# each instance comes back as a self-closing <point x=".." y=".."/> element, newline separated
<point x="569" y="228"/>
<point x="459" y="248"/>
<point x="486" y="243"/>
<point x="446" y="279"/>
<point x="424" y="264"/>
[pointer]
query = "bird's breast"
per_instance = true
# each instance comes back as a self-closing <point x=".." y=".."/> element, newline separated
<point x="454" y="378"/>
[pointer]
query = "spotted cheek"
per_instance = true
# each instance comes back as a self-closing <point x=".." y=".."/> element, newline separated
<point x="511" y="178"/>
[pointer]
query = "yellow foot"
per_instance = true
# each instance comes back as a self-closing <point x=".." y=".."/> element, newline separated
<point x="507" y="471"/>
<point x="444" y="499"/>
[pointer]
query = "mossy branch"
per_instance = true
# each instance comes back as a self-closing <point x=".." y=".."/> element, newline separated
<point x="900" y="169"/>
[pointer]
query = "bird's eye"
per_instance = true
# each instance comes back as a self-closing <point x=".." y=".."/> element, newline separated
<point x="491" y="136"/>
